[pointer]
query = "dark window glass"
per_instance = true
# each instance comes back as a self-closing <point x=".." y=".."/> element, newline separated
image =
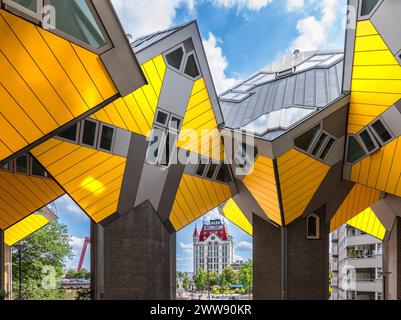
<point x="211" y="171"/>
<point x="381" y="131"/>
<point x="171" y="141"/>
<point x="224" y="174"/>
<point x="174" y="58"/>
<point x="175" y="123"/>
<point x="367" y="141"/>
<point x="312" y="227"/>
<point x="327" y="149"/>
<point x="106" y="139"/>
<point x="305" y="140"/>
<point x="355" y="151"/>
<point x="75" y="18"/>
<point x="8" y="166"/>
<point x="368" y="6"/>
<point x="29" y="4"/>
<point x="70" y="134"/>
<point x="319" y="144"/>
<point x="89" y="133"/>
<point x="191" y="69"/>
<point x="201" y="169"/>
<point x="37" y="169"/>
<point x="154" y="146"/>
<point x="21" y="165"/>
<point x="162" y="118"/>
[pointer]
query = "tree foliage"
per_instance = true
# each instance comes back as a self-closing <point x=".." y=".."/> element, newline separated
<point x="185" y="281"/>
<point x="200" y="279"/>
<point x="73" y="274"/>
<point x="43" y="256"/>
<point x="246" y="276"/>
<point x="228" y="277"/>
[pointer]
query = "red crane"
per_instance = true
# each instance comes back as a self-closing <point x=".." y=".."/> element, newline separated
<point x="83" y="253"/>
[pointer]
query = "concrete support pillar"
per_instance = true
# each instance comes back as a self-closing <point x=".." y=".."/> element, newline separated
<point x="138" y="257"/>
<point x="392" y="262"/>
<point x="288" y="265"/>
<point x="2" y="261"/>
<point x="97" y="261"/>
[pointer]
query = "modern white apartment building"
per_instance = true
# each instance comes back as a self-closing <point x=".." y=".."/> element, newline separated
<point x="213" y="247"/>
<point x="356" y="265"/>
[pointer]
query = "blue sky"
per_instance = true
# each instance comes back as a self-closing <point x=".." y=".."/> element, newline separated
<point x="240" y="37"/>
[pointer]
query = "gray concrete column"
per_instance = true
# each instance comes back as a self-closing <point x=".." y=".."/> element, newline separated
<point x="2" y="261"/>
<point x="97" y="261"/>
<point x="139" y="257"/>
<point x="392" y="262"/>
<point x="287" y="265"/>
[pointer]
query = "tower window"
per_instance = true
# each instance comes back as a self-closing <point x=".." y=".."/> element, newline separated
<point x="70" y="134"/>
<point x="174" y="58"/>
<point x="304" y="141"/>
<point x="368" y="6"/>
<point x="355" y="150"/>
<point x="89" y="133"/>
<point x="313" y="227"/>
<point x="191" y="68"/>
<point x="21" y="164"/>
<point x="381" y="131"/>
<point x="106" y="138"/>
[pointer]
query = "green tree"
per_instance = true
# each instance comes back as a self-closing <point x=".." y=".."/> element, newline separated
<point x="185" y="281"/>
<point x="227" y="277"/>
<point x="246" y="276"/>
<point x="214" y="279"/>
<point x="43" y="257"/>
<point x="201" y="279"/>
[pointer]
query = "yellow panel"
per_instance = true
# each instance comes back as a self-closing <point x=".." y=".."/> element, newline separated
<point x="136" y="111"/>
<point x="92" y="178"/>
<point x="376" y="78"/>
<point x="24" y="228"/>
<point x="381" y="170"/>
<point x="45" y="80"/>
<point x="368" y="222"/>
<point x="196" y="197"/>
<point x="233" y="213"/>
<point x="261" y="182"/>
<point x="21" y="195"/>
<point x="300" y="177"/>
<point x="358" y="200"/>
<point x="200" y="133"/>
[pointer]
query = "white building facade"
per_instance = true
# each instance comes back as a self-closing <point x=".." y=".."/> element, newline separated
<point x="356" y="265"/>
<point x="213" y="247"/>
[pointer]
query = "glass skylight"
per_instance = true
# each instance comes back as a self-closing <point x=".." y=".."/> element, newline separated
<point x="280" y="119"/>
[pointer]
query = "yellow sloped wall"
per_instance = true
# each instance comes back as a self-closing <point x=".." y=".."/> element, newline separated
<point x="92" y="178"/>
<point x="300" y="177"/>
<point x="369" y="223"/>
<point x="22" y="195"/>
<point x="376" y="79"/>
<point x="196" y="197"/>
<point x="45" y="82"/>
<point x="261" y="183"/>
<point x="233" y="213"/>
<point x="358" y="200"/>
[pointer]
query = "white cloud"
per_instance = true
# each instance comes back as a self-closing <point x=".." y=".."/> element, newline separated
<point x="66" y="205"/>
<point x="218" y="64"/>
<point x="187" y="248"/>
<point x="293" y="5"/>
<point x="254" y="5"/>
<point x="238" y="258"/>
<point x="314" y="32"/>
<point x="245" y="246"/>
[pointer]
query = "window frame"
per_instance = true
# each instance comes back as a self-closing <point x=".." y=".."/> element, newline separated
<point x="99" y="137"/>
<point x="186" y="57"/>
<point x="160" y="147"/>
<point x="172" y="115"/>
<point x="165" y="54"/>
<point x="211" y="162"/>
<point x="31" y="159"/>
<point x="376" y="135"/>
<point x="166" y="135"/>
<point x="163" y="125"/>
<point x="317" y="236"/>
<point x="370" y="14"/>
<point x="312" y="144"/>
<point x="78" y="133"/>
<point x="28" y="169"/>
<point x="372" y="136"/>
<point x="362" y="145"/>
<point x="97" y="134"/>
<point x="36" y="16"/>
<point x="109" y="45"/>
<point x="229" y="172"/>
<point x="324" y="148"/>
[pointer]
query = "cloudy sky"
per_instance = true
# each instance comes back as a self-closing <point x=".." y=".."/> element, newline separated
<point x="240" y="37"/>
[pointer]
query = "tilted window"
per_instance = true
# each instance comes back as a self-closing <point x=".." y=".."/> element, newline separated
<point x="174" y="58"/>
<point x="355" y="150"/>
<point x="224" y="174"/>
<point x="305" y="141"/>
<point x="89" y="133"/>
<point x="21" y="165"/>
<point x="191" y="68"/>
<point x="106" y="138"/>
<point x="313" y="227"/>
<point x="71" y="134"/>
<point x="381" y="131"/>
<point x="368" y="6"/>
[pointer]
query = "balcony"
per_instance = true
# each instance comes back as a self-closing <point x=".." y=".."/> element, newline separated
<point x="358" y="240"/>
<point x="368" y="285"/>
<point x="375" y="261"/>
<point x="334" y="235"/>
<point x="334" y="266"/>
<point x="334" y="282"/>
<point x="334" y="250"/>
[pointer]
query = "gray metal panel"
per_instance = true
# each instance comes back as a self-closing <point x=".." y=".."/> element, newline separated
<point x="122" y="142"/>
<point x="175" y="93"/>
<point x="120" y="61"/>
<point x="392" y="118"/>
<point x="300" y="89"/>
<point x="321" y="88"/>
<point x="310" y="88"/>
<point x="387" y="19"/>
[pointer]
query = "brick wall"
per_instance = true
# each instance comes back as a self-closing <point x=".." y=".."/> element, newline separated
<point x="266" y="260"/>
<point x="139" y="257"/>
